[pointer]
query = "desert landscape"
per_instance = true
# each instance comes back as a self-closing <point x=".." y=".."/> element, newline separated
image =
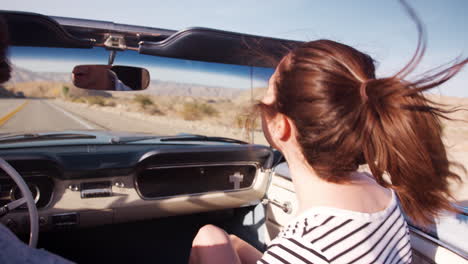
<point x="171" y="108"/>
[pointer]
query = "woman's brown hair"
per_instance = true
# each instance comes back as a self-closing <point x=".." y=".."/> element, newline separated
<point x="346" y="117"/>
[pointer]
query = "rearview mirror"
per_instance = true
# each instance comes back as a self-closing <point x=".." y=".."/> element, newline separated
<point x="110" y="78"/>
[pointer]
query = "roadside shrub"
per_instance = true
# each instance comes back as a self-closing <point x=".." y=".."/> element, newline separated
<point x="208" y="110"/>
<point x="197" y="111"/>
<point x="78" y="100"/>
<point x="42" y="91"/>
<point x="65" y="91"/>
<point x="240" y="120"/>
<point x="154" y="110"/>
<point x="143" y="100"/>
<point x="96" y="100"/>
<point x="248" y="119"/>
<point x="110" y="103"/>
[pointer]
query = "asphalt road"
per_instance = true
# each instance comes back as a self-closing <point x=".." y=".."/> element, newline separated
<point x="42" y="115"/>
<point x="28" y="115"/>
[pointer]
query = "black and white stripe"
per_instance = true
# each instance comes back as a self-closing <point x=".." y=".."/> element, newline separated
<point x="339" y="236"/>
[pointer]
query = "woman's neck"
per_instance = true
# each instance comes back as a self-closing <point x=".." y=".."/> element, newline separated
<point x="307" y="183"/>
<point x="313" y="191"/>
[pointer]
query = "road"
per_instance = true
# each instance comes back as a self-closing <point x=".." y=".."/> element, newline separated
<point x="27" y="115"/>
<point x="36" y="115"/>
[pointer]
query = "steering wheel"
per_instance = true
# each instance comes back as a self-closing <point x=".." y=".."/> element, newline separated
<point x="27" y="198"/>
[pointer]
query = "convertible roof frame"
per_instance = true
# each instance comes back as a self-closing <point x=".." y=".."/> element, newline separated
<point x="202" y="44"/>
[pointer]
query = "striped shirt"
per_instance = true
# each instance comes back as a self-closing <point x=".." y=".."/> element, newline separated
<point x="331" y="235"/>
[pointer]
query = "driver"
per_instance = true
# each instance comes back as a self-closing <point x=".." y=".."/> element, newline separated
<point x="12" y="250"/>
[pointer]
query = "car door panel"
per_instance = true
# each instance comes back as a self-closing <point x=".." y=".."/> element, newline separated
<point x="427" y="249"/>
<point x="282" y="203"/>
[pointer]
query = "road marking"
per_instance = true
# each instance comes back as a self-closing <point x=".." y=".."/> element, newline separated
<point x="77" y="119"/>
<point x="12" y="113"/>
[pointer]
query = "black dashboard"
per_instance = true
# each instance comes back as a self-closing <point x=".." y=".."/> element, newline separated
<point x="87" y="185"/>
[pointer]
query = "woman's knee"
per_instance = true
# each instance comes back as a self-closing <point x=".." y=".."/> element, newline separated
<point x="212" y="245"/>
<point x="211" y="235"/>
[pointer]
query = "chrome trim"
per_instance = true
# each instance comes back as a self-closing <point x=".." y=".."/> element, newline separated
<point x="52" y="194"/>
<point x="99" y="192"/>
<point x="15" y="187"/>
<point x="270" y="172"/>
<point x="438" y="242"/>
<point x="237" y="163"/>
<point x="285" y="206"/>
<point x="37" y="174"/>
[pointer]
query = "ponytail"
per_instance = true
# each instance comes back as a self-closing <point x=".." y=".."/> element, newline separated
<point x="402" y="137"/>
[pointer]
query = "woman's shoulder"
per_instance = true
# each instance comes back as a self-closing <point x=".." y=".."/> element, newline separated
<point x="333" y="234"/>
<point x="320" y="217"/>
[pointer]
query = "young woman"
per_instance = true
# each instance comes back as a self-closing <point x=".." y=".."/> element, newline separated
<point x="327" y="113"/>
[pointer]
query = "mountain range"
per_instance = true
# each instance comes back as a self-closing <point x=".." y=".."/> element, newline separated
<point x="22" y="75"/>
<point x="157" y="87"/>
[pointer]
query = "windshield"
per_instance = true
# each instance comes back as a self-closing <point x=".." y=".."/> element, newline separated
<point x="183" y="96"/>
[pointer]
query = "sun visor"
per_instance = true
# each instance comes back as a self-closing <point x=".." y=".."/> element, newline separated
<point x="30" y="29"/>
<point x="212" y="45"/>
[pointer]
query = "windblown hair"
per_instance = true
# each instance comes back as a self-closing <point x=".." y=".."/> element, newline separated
<point x="346" y="117"/>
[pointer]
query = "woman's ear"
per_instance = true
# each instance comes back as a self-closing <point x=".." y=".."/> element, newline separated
<point x="282" y="127"/>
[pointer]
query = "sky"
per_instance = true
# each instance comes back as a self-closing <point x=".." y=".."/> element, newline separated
<point x="380" y="28"/>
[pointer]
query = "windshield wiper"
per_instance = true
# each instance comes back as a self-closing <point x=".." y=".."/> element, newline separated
<point x="35" y="136"/>
<point x="202" y="138"/>
<point x="117" y="140"/>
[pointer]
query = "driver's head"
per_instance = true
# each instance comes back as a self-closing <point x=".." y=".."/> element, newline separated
<point x="4" y="63"/>
<point x="94" y="77"/>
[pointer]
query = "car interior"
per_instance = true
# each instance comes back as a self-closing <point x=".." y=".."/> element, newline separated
<point x="122" y="197"/>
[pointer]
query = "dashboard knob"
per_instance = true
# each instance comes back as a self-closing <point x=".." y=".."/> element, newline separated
<point x="73" y="187"/>
<point x="119" y="184"/>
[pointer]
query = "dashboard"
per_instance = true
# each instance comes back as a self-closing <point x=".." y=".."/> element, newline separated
<point x="89" y="185"/>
